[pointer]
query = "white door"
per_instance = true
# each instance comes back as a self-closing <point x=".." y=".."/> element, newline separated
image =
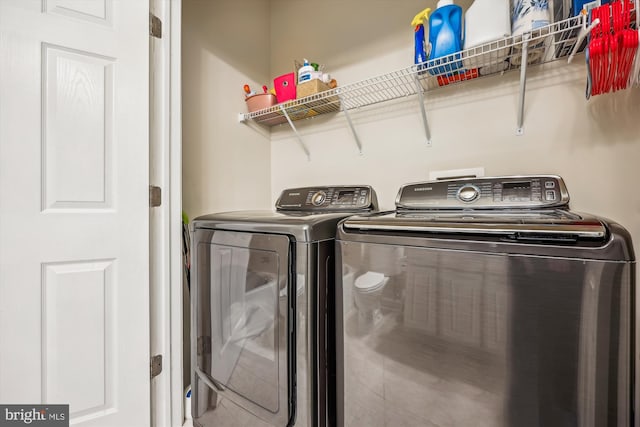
<point x="74" y="168"/>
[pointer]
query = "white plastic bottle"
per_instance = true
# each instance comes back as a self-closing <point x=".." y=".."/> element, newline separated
<point x="304" y="73"/>
<point x="486" y="21"/>
<point x="187" y="403"/>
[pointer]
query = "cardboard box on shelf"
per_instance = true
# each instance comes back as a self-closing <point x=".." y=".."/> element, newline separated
<point x="311" y="87"/>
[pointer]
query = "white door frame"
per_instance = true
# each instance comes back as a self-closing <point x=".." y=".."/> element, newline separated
<point x="166" y="273"/>
<point x="175" y="143"/>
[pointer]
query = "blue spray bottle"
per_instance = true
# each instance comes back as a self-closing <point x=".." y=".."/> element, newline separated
<point x="420" y="52"/>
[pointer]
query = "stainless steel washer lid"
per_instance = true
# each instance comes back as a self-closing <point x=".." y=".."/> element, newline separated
<point x="522" y="206"/>
<point x="586" y="238"/>
<point x="538" y="224"/>
<point x="515" y="214"/>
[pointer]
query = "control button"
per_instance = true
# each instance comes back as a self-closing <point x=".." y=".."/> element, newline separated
<point x="550" y="184"/>
<point x="318" y="198"/>
<point x="468" y="193"/>
<point x="363" y="192"/>
<point x="550" y="195"/>
<point x="362" y="200"/>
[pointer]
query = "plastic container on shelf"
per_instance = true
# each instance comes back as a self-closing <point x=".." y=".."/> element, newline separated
<point x="486" y="21"/>
<point x="305" y="72"/>
<point x="528" y="16"/>
<point x="285" y="86"/>
<point x="420" y="50"/>
<point x="445" y="36"/>
<point x="187" y="403"/>
<point x="260" y="101"/>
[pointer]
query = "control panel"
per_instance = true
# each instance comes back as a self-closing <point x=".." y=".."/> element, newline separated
<point x="478" y="193"/>
<point x="328" y="199"/>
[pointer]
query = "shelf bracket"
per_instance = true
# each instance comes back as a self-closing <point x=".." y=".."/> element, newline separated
<point x="584" y="32"/>
<point x="523" y="82"/>
<point x="353" y="129"/>
<point x="300" y="140"/>
<point x="423" y="112"/>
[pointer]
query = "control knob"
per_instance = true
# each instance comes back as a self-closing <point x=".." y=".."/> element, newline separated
<point x="318" y="198"/>
<point x="468" y="193"/>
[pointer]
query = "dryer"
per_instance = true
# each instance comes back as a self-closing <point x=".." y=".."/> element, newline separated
<point x="485" y="302"/>
<point x="262" y="328"/>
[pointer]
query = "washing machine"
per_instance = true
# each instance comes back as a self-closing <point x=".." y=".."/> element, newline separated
<point x="485" y="302"/>
<point x="262" y="340"/>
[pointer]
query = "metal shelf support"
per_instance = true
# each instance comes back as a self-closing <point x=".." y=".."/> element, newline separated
<point x="523" y="82"/>
<point x="353" y="129"/>
<point x="423" y="112"/>
<point x="300" y="140"/>
<point x="585" y="30"/>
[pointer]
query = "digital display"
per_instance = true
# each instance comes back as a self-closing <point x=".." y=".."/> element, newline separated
<point x="346" y="196"/>
<point x="516" y="191"/>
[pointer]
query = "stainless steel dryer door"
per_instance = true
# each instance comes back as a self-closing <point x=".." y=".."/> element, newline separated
<point x="241" y="320"/>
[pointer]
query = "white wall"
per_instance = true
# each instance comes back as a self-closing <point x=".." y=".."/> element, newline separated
<point x="594" y="145"/>
<point x="225" y="44"/>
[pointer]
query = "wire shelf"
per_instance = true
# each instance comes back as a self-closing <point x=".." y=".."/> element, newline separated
<point x="543" y="45"/>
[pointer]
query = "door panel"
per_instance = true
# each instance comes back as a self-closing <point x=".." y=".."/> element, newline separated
<point x="457" y="338"/>
<point x="244" y="345"/>
<point x="74" y="252"/>
<point x="242" y="306"/>
<point x="97" y="11"/>
<point x="89" y="326"/>
<point x="77" y="119"/>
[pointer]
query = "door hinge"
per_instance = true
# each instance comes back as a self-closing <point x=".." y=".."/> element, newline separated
<point x="156" y="365"/>
<point x="155" y="26"/>
<point x="155" y="196"/>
